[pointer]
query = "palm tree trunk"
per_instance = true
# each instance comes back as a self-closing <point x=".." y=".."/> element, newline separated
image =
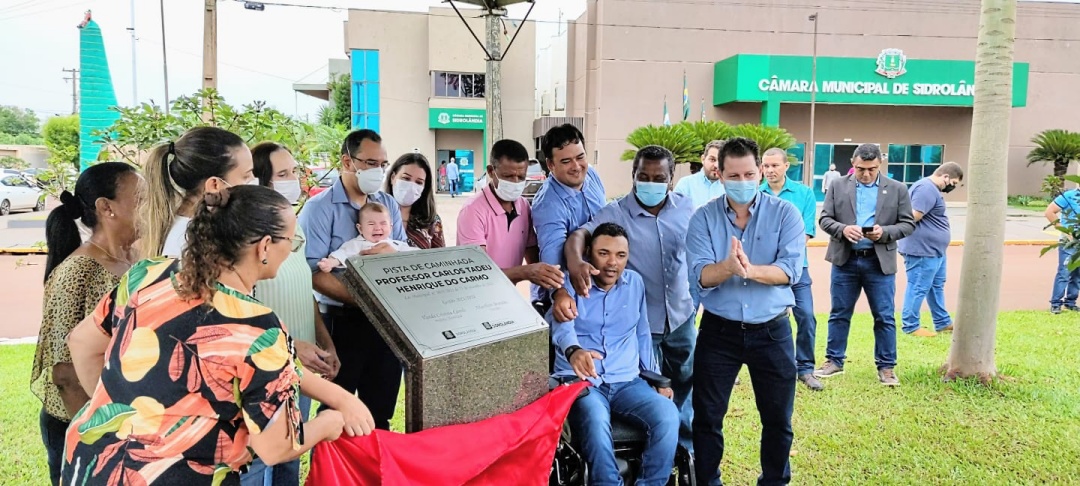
<point x="972" y="350"/>
<point x="1061" y="168"/>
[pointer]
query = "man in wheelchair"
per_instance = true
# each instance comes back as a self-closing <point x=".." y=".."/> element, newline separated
<point x="609" y="343"/>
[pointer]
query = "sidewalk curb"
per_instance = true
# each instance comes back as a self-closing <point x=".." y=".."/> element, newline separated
<point x="24" y="251"/>
<point x="811" y="244"/>
<point x="823" y="244"/>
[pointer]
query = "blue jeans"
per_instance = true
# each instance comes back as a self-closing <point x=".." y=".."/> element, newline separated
<point x="639" y="404"/>
<point x="767" y="351"/>
<point x="805" y="322"/>
<point x="285" y="474"/>
<point x="1066" y="283"/>
<point x="862" y="274"/>
<point x="53" y="432"/>
<point x="675" y="353"/>
<point x="454" y="187"/>
<point x="925" y="281"/>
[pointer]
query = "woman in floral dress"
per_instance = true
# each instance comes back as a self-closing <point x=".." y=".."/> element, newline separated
<point x="187" y="373"/>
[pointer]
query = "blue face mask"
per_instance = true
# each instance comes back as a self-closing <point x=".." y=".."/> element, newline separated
<point x="651" y="194"/>
<point x="741" y="192"/>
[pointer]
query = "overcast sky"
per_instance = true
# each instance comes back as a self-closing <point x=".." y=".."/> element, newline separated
<point x="260" y="54"/>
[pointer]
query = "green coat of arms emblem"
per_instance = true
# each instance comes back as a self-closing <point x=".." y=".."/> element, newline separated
<point x="891" y="62"/>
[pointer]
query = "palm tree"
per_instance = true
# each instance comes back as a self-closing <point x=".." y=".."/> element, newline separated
<point x="973" y="341"/>
<point x="1058" y="146"/>
<point x="679" y="139"/>
<point x="709" y="130"/>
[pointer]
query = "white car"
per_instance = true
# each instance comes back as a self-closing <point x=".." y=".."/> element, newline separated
<point x="16" y="194"/>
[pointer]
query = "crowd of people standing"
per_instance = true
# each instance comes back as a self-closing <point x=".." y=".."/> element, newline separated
<point x="185" y="339"/>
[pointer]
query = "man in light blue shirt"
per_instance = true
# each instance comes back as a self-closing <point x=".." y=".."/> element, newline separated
<point x="775" y="166"/>
<point x="566" y="201"/>
<point x="656" y="221"/>
<point x="745" y="250"/>
<point x="1064" y="211"/>
<point x="706" y="184"/>
<point x="609" y="344"/>
<point x="368" y="366"/>
<point x="453" y="177"/>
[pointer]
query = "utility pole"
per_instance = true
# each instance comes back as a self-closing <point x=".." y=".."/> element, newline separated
<point x="210" y="45"/>
<point x="810" y="152"/>
<point x="164" y="57"/>
<point x="493" y="10"/>
<point x="74" y="89"/>
<point x="493" y="77"/>
<point x="134" y="71"/>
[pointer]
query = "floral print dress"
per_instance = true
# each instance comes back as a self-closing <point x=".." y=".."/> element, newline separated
<point x="184" y="385"/>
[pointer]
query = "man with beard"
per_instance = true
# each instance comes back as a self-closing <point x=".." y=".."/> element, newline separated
<point x="706" y="184"/>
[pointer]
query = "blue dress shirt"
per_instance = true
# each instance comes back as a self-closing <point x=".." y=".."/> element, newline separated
<point x="699" y="188"/>
<point x="558" y="210"/>
<point x="613" y="323"/>
<point x="773" y="236"/>
<point x="804" y="200"/>
<point x="657" y="254"/>
<point x="329" y="219"/>
<point x="865" y="208"/>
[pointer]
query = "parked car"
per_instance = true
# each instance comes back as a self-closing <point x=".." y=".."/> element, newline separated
<point x="17" y="194"/>
<point x="324" y="179"/>
<point x="534" y="178"/>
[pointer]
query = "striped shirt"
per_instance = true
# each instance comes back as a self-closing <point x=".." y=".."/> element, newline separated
<point x="289" y="295"/>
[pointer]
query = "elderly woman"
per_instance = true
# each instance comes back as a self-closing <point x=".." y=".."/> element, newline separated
<point x="187" y="373"/>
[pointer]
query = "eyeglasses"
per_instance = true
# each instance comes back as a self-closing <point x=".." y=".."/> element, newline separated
<point x="297" y="241"/>
<point x="370" y="163"/>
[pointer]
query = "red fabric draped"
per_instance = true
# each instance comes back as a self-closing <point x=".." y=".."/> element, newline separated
<point x="515" y="448"/>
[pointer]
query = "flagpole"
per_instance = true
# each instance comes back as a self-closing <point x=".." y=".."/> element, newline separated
<point x="809" y="153"/>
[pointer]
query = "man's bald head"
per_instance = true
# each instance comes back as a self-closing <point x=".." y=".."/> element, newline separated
<point x="774" y="165"/>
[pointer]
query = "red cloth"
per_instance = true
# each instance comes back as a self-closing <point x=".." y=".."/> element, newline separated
<point x="515" y="448"/>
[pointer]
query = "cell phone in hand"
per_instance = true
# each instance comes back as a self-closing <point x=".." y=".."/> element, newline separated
<point x="867" y="230"/>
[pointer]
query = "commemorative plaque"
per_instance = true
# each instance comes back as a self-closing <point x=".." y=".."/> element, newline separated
<point x="472" y="346"/>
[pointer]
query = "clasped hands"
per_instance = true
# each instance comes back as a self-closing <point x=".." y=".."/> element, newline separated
<point x="737" y="262"/>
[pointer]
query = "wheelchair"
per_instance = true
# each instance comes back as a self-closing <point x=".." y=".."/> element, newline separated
<point x="570" y="469"/>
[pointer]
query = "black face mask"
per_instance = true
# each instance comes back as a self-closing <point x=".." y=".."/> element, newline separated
<point x="948" y="188"/>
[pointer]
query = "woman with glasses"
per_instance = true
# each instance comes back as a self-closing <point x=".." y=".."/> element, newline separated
<point x="413" y="187"/>
<point x="289" y="295"/>
<point x="187" y="372"/>
<point x="203" y="160"/>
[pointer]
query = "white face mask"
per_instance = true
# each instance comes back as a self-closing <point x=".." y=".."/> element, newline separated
<point x="369" y="180"/>
<point x="252" y="182"/>
<point x="509" y="191"/>
<point x="407" y="192"/>
<point x="290" y="189"/>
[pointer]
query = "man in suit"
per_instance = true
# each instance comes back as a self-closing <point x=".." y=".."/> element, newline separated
<point x="865" y="214"/>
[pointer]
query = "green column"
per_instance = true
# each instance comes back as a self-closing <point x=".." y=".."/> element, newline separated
<point x="95" y="92"/>
<point x="770" y="113"/>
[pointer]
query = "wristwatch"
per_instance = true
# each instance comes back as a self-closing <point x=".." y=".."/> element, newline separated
<point x="570" y="351"/>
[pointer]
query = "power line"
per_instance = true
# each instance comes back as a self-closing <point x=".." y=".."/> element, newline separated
<point x="30" y="14"/>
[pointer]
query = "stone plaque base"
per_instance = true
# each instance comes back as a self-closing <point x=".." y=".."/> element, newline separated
<point x="472" y="346"/>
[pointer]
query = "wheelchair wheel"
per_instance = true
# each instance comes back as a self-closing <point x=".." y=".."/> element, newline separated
<point x="683" y="475"/>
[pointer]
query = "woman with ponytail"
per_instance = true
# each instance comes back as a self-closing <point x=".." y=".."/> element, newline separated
<point x="203" y="160"/>
<point x="77" y="275"/>
<point x="187" y="373"/>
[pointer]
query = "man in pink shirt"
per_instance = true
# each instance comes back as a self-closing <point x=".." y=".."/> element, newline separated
<point x="498" y="219"/>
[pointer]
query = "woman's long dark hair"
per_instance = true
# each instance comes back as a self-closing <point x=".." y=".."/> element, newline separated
<point x="177" y="170"/>
<point x="422" y="213"/>
<point x="61" y="233"/>
<point x="224" y="224"/>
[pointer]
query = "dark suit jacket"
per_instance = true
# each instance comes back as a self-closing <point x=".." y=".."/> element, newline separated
<point x="893" y="214"/>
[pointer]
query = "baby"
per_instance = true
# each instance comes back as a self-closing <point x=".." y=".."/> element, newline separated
<point x="374" y="228"/>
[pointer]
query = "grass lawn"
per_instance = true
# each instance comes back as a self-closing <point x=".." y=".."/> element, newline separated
<point x="1023" y="430"/>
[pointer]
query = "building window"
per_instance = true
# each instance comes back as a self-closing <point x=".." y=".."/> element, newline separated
<point x="909" y="163"/>
<point x="365" y="89"/>
<point x="457" y="85"/>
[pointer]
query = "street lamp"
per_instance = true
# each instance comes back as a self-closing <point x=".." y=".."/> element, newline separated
<point x="811" y="152"/>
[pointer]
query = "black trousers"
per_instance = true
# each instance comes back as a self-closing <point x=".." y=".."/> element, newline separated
<point x="368" y="366"/>
<point x="53" y="431"/>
